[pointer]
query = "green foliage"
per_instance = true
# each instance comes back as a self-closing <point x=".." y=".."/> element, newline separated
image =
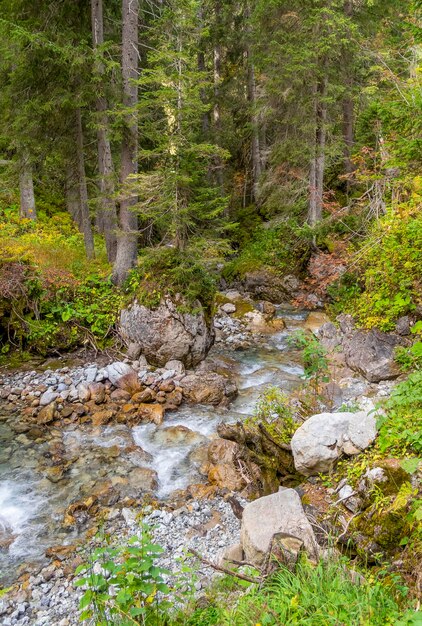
<point x="124" y="583"/>
<point x="314" y="357"/>
<point x="273" y="411"/>
<point x="386" y="283"/>
<point x="279" y="249"/>
<point x="165" y="270"/>
<point x="316" y="596"/>
<point x="400" y="427"/>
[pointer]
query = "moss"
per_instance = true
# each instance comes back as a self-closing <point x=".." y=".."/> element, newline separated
<point x="242" y="306"/>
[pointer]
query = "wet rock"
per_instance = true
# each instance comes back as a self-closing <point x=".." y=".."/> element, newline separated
<point x="178" y="435"/>
<point x="208" y="388"/>
<point x="48" y="397"/>
<point x="278" y="516"/>
<point x="47" y="414"/>
<point x="147" y="395"/>
<point x="102" y="417"/>
<point x="79" y="512"/>
<point x="97" y="392"/>
<point x="151" y="413"/>
<point x="116" y="370"/>
<point x="173" y="400"/>
<point x="166" y="334"/>
<point x="324" y="438"/>
<point x="143" y="479"/>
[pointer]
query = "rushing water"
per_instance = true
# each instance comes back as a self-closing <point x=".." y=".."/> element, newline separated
<point x="32" y="507"/>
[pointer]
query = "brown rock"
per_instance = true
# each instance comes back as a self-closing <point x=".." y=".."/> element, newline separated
<point x="147" y="395"/>
<point x="130" y="383"/>
<point x="143" y="479"/>
<point x="47" y="414"/>
<point x="222" y="451"/>
<point x="202" y="492"/>
<point x="225" y="476"/>
<point x="151" y="413"/>
<point x="80" y="409"/>
<point x="208" y="388"/>
<point x="120" y="395"/>
<point x="129" y="409"/>
<point x="102" y="417"/>
<point x="60" y="553"/>
<point x="174" y="400"/>
<point x="78" y="512"/>
<point x="66" y="411"/>
<point x="161" y="397"/>
<point x="167" y="386"/>
<point x="178" y="435"/>
<point x="98" y="392"/>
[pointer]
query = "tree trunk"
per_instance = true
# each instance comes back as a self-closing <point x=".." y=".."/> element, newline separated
<point x="202" y="68"/>
<point x="26" y="185"/>
<point x="317" y="169"/>
<point x="73" y="204"/>
<point x="107" y="217"/>
<point x="255" y="143"/>
<point x="348" y="104"/>
<point x="127" y="237"/>
<point x="83" y="191"/>
<point x="217" y="105"/>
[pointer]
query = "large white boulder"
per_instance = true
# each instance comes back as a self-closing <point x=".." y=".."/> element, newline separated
<point x="324" y="438"/>
<point x="278" y="516"/>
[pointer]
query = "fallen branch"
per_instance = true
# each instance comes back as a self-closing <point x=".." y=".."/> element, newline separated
<point x="225" y="570"/>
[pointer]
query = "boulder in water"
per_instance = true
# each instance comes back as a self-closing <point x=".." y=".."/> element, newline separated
<point x="208" y="388"/>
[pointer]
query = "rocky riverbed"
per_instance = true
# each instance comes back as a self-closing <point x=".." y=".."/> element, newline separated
<point x="104" y="440"/>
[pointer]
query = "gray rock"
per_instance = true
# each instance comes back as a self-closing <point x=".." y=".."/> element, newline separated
<point x="371" y="353"/>
<point x="134" y="351"/>
<point x="48" y="397"/>
<point x="323" y="438"/>
<point x="229" y="308"/>
<point x="116" y="370"/>
<point x="165" y="333"/>
<point x="91" y="374"/>
<point x="84" y="393"/>
<point x="265" y="518"/>
<point x="176" y="366"/>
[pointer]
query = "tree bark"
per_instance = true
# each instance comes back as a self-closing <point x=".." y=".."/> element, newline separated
<point x="73" y="204"/>
<point x="83" y="190"/>
<point x="127" y="237"/>
<point x="26" y="185"/>
<point x="317" y="169"/>
<point x="107" y="217"/>
<point x="217" y="108"/>
<point x="255" y="142"/>
<point x="348" y="103"/>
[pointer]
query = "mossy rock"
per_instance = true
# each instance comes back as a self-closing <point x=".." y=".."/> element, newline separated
<point x="242" y="306"/>
<point x="385" y="521"/>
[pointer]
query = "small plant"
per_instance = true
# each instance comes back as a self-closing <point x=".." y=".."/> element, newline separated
<point x="124" y="585"/>
<point x="273" y="411"/>
<point x="315" y="359"/>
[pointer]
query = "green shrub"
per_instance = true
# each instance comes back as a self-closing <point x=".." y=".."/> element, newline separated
<point x="170" y="271"/>
<point x="279" y="249"/>
<point x="384" y="282"/>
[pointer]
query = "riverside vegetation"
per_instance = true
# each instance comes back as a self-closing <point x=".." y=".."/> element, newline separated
<point x="270" y="150"/>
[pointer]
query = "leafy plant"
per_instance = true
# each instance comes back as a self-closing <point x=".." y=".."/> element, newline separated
<point x="124" y="584"/>
<point x="314" y="357"/>
<point x="273" y="411"/>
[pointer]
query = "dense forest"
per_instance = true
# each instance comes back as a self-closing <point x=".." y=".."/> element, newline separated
<point x="159" y="156"/>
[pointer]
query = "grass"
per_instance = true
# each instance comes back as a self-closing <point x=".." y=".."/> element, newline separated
<point x="322" y="595"/>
